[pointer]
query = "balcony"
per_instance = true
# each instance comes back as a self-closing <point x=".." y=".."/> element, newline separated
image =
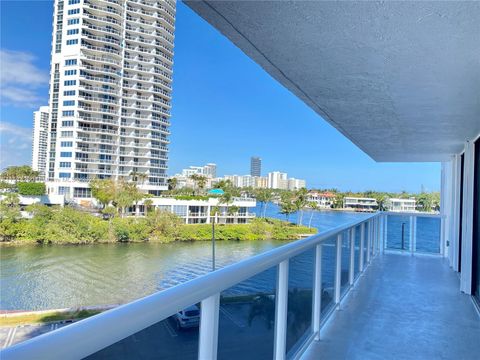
<point x="388" y="296"/>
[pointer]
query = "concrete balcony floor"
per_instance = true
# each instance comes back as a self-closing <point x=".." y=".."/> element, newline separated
<point x="403" y="307"/>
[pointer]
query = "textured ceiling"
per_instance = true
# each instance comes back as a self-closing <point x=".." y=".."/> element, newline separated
<point x="400" y="79"/>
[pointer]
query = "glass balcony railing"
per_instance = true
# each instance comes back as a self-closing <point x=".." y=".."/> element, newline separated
<point x="272" y="305"/>
<point x="413" y="232"/>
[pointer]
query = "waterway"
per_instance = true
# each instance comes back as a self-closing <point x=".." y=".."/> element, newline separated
<point x="49" y="277"/>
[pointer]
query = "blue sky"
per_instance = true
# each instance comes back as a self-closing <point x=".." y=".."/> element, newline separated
<point x="225" y="109"/>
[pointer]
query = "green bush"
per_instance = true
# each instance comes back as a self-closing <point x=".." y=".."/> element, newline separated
<point x="31" y="188"/>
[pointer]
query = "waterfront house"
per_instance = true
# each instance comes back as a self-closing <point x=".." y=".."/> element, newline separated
<point x="202" y="211"/>
<point x="401" y="205"/>
<point x="360" y="204"/>
<point x="324" y="200"/>
<point x="400" y="80"/>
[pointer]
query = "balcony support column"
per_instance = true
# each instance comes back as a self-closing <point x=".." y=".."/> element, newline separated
<point x="317" y="292"/>
<point x="351" y="269"/>
<point x="208" y="340"/>
<point x="338" y="269"/>
<point x="369" y="240"/>
<point x="281" y="308"/>
<point x="362" y="245"/>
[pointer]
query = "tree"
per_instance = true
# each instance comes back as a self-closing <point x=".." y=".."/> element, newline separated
<point x="10" y="207"/>
<point x="31" y="188"/>
<point x="23" y="172"/>
<point x="263" y="196"/>
<point x="314" y="206"/>
<point x="126" y="194"/>
<point x="300" y="202"/>
<point x="287" y="205"/>
<point x="172" y="183"/>
<point x="202" y="182"/>
<point x="196" y="178"/>
<point x="103" y="190"/>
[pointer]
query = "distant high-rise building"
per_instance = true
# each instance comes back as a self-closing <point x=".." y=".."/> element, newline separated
<point x="110" y="93"/>
<point x="277" y="180"/>
<point x="255" y="166"/>
<point x="40" y="140"/>
<point x="209" y="170"/>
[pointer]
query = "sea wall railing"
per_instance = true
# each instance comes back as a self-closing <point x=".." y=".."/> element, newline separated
<point x="271" y="305"/>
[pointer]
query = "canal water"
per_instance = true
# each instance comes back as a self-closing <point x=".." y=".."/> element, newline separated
<point x="48" y="277"/>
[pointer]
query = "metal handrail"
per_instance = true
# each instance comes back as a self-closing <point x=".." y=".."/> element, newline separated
<point x="93" y="334"/>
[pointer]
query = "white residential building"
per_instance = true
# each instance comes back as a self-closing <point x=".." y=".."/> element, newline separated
<point x="110" y="93"/>
<point x="40" y="140"/>
<point x="401" y="205"/>
<point x="209" y="170"/>
<point x="360" y="204"/>
<point x="295" y="184"/>
<point x="323" y="200"/>
<point x="277" y="180"/>
<point x="202" y="211"/>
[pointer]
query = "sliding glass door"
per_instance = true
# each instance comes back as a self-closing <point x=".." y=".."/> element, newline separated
<point x="476" y="224"/>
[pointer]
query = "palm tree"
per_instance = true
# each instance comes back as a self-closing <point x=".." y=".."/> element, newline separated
<point x="314" y="206"/>
<point x="202" y="182"/>
<point x="300" y="202"/>
<point x="287" y="205"/>
<point x="172" y="183"/>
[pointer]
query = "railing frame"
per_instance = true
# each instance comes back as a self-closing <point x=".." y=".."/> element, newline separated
<point x="88" y="336"/>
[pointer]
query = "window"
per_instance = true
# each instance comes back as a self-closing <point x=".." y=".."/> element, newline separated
<point x="73" y="21"/>
<point x="70" y="72"/>
<point x="69" y="103"/>
<point x="81" y="192"/>
<point x="63" y="190"/>
<point x="72" y="32"/>
<point x="69" y="93"/>
<point x="67" y="123"/>
<point x="68" y="113"/>
<point x="66" y="134"/>
<point x="73" y="2"/>
<point x="66" y="144"/>
<point x="66" y="154"/>
<point x="64" y="175"/>
<point x="65" y="164"/>
<point x="72" y="42"/>
<point x="70" y="62"/>
<point x="73" y="11"/>
<point x="70" y="82"/>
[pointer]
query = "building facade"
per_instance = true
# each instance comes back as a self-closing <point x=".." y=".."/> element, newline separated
<point x="40" y="140"/>
<point x="324" y="200"/>
<point x="255" y="166"/>
<point x="110" y="93"/>
<point x="360" y="204"/>
<point x="401" y="205"/>
<point x="277" y="180"/>
<point x="203" y="211"/>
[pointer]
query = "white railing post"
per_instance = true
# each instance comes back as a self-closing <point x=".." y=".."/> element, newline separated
<point x="317" y="292"/>
<point x="281" y="308"/>
<point x="208" y="341"/>
<point x="414" y="232"/>
<point x="410" y="238"/>
<point x="385" y="232"/>
<point x="362" y="245"/>
<point x="369" y="240"/>
<point x="338" y="269"/>
<point x="374" y="237"/>
<point x="351" y="270"/>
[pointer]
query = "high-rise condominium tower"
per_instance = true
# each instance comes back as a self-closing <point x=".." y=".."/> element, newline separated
<point x="40" y="140"/>
<point x="110" y="93"/>
<point x="255" y="166"/>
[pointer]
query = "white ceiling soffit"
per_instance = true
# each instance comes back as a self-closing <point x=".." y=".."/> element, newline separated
<point x="400" y="79"/>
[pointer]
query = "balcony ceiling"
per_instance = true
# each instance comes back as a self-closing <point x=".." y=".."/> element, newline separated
<point x="401" y="80"/>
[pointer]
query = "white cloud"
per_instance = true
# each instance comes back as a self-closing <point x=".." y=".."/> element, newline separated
<point x="15" y="144"/>
<point x="21" y="79"/>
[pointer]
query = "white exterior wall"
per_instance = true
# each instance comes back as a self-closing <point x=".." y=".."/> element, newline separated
<point x="40" y="140"/>
<point x="118" y="79"/>
<point x="401" y="205"/>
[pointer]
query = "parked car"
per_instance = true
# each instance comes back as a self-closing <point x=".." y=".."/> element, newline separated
<point x="188" y="318"/>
